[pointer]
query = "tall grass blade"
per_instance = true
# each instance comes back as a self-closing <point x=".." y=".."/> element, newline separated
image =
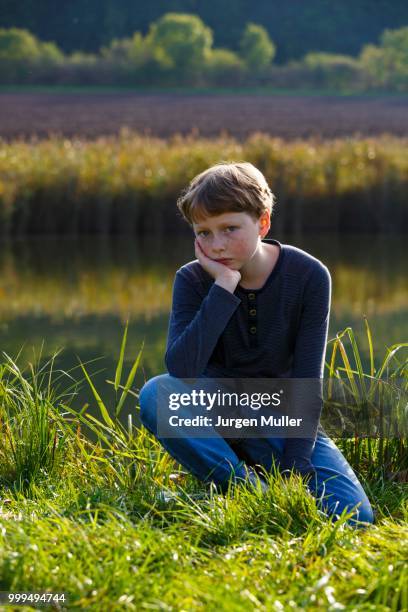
<point x="118" y="373"/>
<point x="129" y="381"/>
<point x="391" y="352"/>
<point x="357" y="359"/>
<point x="370" y="347"/>
<point x="347" y="364"/>
<point x="102" y="407"/>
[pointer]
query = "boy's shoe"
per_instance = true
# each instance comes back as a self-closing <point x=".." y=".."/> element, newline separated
<point x="165" y="497"/>
<point x="253" y="478"/>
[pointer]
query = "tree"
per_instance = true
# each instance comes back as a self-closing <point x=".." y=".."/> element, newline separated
<point x="18" y="45"/>
<point x="127" y="50"/>
<point x="333" y="70"/>
<point x="50" y="53"/>
<point x="180" y="41"/>
<point x="224" y="67"/>
<point x="387" y="65"/>
<point x="257" y="49"/>
<point x="372" y="61"/>
<point x="21" y="46"/>
<point x="395" y="46"/>
<point x="21" y="51"/>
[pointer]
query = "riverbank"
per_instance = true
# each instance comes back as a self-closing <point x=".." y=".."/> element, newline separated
<point x="115" y="523"/>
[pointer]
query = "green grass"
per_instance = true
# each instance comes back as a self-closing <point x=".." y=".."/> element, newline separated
<point x="109" y="550"/>
<point x="88" y="518"/>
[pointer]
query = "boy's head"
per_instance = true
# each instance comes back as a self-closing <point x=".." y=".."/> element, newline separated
<point x="226" y="187"/>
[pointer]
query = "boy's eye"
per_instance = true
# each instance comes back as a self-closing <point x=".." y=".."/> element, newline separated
<point x="228" y="229"/>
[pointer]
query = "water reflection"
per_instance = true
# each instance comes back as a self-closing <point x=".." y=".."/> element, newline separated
<point x="77" y="294"/>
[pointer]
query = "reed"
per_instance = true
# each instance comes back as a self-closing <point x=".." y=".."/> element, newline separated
<point x="372" y="404"/>
<point x="129" y="183"/>
<point x="35" y="439"/>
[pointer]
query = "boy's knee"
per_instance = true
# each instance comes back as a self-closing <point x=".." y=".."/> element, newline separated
<point x="154" y="391"/>
<point x="146" y="393"/>
<point x="148" y="402"/>
<point x="361" y="513"/>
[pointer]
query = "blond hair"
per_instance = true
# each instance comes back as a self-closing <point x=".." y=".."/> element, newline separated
<point x="226" y="187"/>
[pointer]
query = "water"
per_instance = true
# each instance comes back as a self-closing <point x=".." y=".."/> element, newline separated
<point x="78" y="294"/>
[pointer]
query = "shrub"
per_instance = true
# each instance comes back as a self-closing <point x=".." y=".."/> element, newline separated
<point x="23" y="56"/>
<point x="333" y="71"/>
<point x="257" y="49"/>
<point x="180" y="42"/>
<point x="224" y="67"/>
<point x="386" y="66"/>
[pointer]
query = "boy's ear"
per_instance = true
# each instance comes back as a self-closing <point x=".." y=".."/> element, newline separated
<point x="265" y="223"/>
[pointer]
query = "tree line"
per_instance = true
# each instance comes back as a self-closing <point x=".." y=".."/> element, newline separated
<point x="178" y="49"/>
<point x="296" y="26"/>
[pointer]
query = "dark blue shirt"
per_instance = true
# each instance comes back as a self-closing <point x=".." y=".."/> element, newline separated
<point x="279" y="330"/>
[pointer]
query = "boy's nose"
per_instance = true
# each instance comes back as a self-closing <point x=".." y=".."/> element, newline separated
<point x="218" y="253"/>
<point x="218" y="246"/>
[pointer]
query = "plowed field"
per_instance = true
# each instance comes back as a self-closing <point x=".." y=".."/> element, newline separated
<point x="289" y="117"/>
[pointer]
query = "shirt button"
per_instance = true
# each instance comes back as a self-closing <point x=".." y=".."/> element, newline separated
<point x="252" y="312"/>
<point x="252" y="330"/>
<point x="251" y="296"/>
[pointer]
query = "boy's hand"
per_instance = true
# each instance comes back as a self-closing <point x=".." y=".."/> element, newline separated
<point x="217" y="270"/>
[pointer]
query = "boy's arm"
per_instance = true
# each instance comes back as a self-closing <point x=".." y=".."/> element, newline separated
<point x="308" y="362"/>
<point x="196" y="325"/>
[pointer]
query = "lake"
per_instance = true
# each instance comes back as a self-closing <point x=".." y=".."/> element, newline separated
<point x="76" y="294"/>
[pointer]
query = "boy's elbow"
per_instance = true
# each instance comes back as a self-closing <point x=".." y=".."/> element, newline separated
<point x="178" y="368"/>
<point x="177" y="372"/>
<point x="175" y="367"/>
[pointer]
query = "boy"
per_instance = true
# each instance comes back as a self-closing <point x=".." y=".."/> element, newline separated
<point x="249" y="307"/>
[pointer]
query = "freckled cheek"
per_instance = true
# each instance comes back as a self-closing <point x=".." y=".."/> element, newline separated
<point x="239" y="248"/>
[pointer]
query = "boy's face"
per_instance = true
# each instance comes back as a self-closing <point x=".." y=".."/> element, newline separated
<point x="232" y="237"/>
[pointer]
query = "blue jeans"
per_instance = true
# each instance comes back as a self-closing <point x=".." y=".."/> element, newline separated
<point x="336" y="486"/>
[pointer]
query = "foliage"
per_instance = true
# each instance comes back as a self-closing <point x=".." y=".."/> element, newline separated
<point x="134" y="50"/>
<point x="21" y="45"/>
<point x="296" y="28"/>
<point x="257" y="49"/>
<point x="21" y="53"/>
<point x="224" y="67"/>
<point x="337" y="72"/>
<point x="387" y="64"/>
<point x="177" y="50"/>
<point x="318" y="60"/>
<point x="180" y="41"/>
